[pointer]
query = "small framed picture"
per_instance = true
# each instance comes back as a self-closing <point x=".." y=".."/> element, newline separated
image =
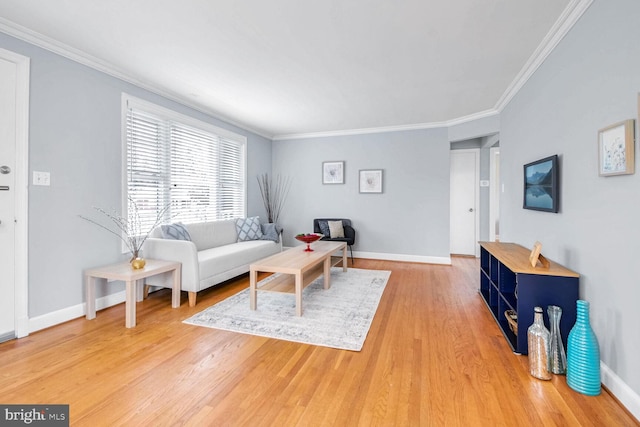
<point x="371" y="181"/>
<point x="615" y="149"/>
<point x="333" y="172"/>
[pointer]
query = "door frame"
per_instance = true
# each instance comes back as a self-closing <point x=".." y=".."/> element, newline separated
<point x="494" y="192"/>
<point x="21" y="245"/>
<point x="476" y="208"/>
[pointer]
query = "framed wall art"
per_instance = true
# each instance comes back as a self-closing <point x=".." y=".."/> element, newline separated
<point x="615" y="149"/>
<point x="371" y="181"/>
<point x="333" y="172"/>
<point x="541" y="185"/>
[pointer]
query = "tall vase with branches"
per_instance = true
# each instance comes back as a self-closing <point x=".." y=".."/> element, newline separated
<point x="274" y="194"/>
<point x="129" y="229"/>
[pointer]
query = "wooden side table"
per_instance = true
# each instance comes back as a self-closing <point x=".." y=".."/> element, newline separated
<point x="123" y="271"/>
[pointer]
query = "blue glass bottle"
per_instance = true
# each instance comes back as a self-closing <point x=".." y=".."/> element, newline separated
<point x="583" y="354"/>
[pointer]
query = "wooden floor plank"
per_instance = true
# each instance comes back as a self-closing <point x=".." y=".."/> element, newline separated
<point x="433" y="356"/>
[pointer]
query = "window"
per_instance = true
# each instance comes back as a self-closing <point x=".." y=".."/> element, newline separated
<point x="194" y="168"/>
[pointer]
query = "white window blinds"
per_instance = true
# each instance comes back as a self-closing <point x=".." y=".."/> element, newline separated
<point x="196" y="170"/>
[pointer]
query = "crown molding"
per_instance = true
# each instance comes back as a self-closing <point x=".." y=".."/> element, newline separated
<point x="363" y="131"/>
<point x="76" y="55"/>
<point x="417" y="126"/>
<point x="562" y="26"/>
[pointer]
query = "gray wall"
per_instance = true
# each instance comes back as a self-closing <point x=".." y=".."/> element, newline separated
<point x="75" y="134"/>
<point x="590" y="81"/>
<point x="410" y="217"/>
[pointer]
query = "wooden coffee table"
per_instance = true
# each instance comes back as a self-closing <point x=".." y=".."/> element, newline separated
<point x="298" y="269"/>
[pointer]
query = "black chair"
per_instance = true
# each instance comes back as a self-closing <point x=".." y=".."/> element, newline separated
<point x="320" y="226"/>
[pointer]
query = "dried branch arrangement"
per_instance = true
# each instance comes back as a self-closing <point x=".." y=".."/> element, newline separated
<point x="129" y="229"/>
<point x="274" y="194"/>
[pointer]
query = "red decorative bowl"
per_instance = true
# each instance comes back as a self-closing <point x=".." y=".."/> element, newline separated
<point x="309" y="238"/>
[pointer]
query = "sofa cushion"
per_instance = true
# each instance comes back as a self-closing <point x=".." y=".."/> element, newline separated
<point x="269" y="232"/>
<point x="248" y="228"/>
<point x="175" y="231"/>
<point x="212" y="234"/>
<point x="336" y="230"/>
<point x="223" y="258"/>
<point x="324" y="227"/>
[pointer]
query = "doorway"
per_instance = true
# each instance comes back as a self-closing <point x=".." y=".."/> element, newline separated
<point x="494" y="194"/>
<point x="464" y="201"/>
<point x="14" y="125"/>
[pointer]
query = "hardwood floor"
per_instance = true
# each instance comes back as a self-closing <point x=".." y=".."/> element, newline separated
<point x="434" y="356"/>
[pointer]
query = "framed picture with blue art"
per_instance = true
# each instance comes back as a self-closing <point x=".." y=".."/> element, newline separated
<point x="541" y="186"/>
<point x="615" y="149"/>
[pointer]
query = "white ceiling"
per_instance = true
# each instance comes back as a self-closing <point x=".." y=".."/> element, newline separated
<point x="291" y="67"/>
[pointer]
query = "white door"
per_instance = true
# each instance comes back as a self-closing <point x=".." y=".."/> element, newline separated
<point x="7" y="200"/>
<point x="464" y="201"/>
<point x="14" y="87"/>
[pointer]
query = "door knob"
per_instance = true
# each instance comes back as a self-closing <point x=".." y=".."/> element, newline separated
<point x="470" y="209"/>
<point x="5" y="170"/>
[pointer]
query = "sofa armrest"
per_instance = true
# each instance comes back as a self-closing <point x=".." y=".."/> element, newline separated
<point x="182" y="251"/>
<point x="350" y="233"/>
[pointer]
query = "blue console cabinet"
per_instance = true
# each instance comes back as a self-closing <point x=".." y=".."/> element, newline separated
<point x="509" y="282"/>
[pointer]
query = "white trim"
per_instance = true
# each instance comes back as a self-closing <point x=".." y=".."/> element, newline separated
<point x="423" y="259"/>
<point x="562" y="26"/>
<point x="473" y="117"/>
<point x="21" y="252"/>
<point x="417" y="126"/>
<point x="84" y="58"/>
<point x="625" y="394"/>
<point x="167" y="113"/>
<point x="364" y="131"/>
<point x="494" y="191"/>
<point x="57" y="317"/>
<point x="403" y="257"/>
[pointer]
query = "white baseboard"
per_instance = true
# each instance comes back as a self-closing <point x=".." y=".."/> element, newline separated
<point x="403" y="257"/>
<point x="629" y="398"/>
<point x="397" y="257"/>
<point x="55" y="318"/>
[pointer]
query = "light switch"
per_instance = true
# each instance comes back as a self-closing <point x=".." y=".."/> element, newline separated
<point x="41" y="178"/>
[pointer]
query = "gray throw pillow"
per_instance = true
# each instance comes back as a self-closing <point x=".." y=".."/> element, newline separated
<point x="269" y="232"/>
<point x="324" y="228"/>
<point x="248" y="228"/>
<point x="175" y="231"/>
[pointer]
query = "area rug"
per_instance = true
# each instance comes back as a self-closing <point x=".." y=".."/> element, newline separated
<point x="338" y="317"/>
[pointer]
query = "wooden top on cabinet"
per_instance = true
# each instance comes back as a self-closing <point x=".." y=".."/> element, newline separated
<point x="516" y="258"/>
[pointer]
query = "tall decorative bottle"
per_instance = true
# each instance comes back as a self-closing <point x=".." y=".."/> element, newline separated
<point x="557" y="356"/>
<point x="583" y="354"/>
<point x="538" y="343"/>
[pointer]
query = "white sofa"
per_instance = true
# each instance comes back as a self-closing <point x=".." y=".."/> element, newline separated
<point x="212" y="256"/>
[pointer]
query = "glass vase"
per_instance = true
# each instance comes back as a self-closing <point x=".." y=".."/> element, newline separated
<point x="583" y="354"/>
<point x="538" y="343"/>
<point x="557" y="356"/>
